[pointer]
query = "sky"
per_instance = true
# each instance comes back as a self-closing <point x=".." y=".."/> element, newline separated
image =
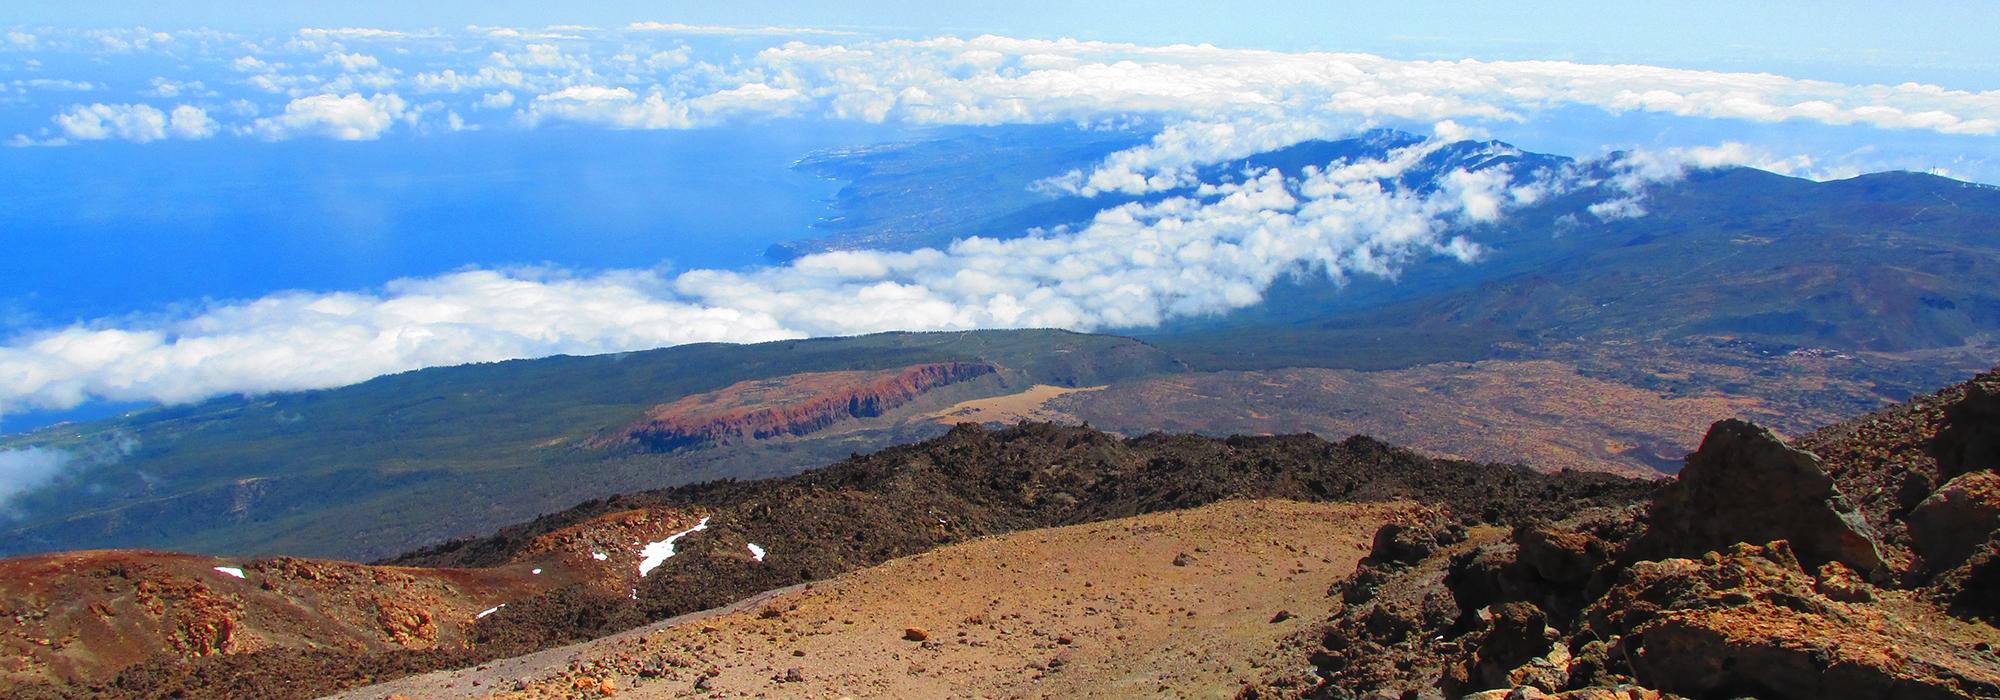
<point x="223" y="197"/>
<point x="1850" y="40"/>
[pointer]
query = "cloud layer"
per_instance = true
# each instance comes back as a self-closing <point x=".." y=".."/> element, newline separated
<point x="648" y="76"/>
<point x="1140" y="264"/>
<point x="26" y="469"/>
<point x="1136" y="265"/>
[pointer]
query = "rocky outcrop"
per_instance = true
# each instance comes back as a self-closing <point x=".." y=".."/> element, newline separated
<point x="1970" y="439"/>
<point x="1751" y="621"/>
<point x="1956" y="519"/>
<point x="792" y="405"/>
<point x="1747" y="485"/>
<point x="1753" y="575"/>
<point x="1972" y="589"/>
<point x="1513" y="651"/>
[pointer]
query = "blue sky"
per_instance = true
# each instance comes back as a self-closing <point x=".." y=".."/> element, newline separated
<point x="1949" y="43"/>
<point x="237" y="197"/>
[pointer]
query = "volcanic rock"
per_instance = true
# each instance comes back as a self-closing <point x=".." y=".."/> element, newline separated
<point x="1750" y="622"/>
<point x="1970" y="439"/>
<point x="1505" y="654"/>
<point x="1559" y="556"/>
<point x="1402" y="543"/>
<point x="1973" y="588"/>
<point x="792" y="405"/>
<point x="1747" y="485"/>
<point x="1956" y="519"/>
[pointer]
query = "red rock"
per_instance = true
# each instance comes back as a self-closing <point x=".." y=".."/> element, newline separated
<point x="791" y="405"/>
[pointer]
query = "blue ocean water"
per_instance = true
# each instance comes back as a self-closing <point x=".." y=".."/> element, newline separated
<point x="115" y="230"/>
<point x="105" y="230"/>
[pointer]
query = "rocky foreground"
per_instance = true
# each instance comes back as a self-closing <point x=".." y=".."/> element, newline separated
<point x="606" y="565"/>
<point x="1861" y="561"/>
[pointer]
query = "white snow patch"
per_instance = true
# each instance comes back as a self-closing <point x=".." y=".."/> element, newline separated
<point x="489" y="611"/>
<point x="598" y="556"/>
<point x="657" y="553"/>
<point x="231" y="570"/>
<point x="536" y="572"/>
<point x="756" y="552"/>
<point x="635" y="594"/>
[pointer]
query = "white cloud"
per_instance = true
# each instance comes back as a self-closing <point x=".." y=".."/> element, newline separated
<point x="1629" y="207"/>
<point x="164" y="87"/>
<point x="1633" y="172"/>
<point x="1134" y="265"/>
<point x="134" y="122"/>
<point x="1213" y="100"/>
<point x="615" y="107"/>
<point x="497" y="100"/>
<point x="351" y="33"/>
<point x="190" y="122"/>
<point x="483" y="78"/>
<point x="755" y="98"/>
<point x="26" y="469"/>
<point x="716" y="29"/>
<point x="297" y="341"/>
<point x="53" y="84"/>
<point x="348" y="117"/>
<point x="352" y="61"/>
<point x="23" y="470"/>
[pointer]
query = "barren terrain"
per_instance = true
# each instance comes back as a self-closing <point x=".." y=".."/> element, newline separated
<point x="1035" y="405"/>
<point x="1541" y="413"/>
<point x="1193" y="603"/>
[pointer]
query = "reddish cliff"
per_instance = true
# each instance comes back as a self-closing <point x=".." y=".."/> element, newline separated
<point x="790" y="405"/>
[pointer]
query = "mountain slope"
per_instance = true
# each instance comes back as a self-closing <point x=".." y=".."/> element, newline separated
<point x="338" y="472"/>
<point x="1885" y="262"/>
<point x="1095" y="610"/>
<point x="616" y="563"/>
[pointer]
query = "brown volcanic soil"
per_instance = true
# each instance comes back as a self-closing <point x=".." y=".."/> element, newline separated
<point x="968" y="484"/>
<point x="1182" y="604"/>
<point x="1541" y="413"/>
<point x="87" y="615"/>
<point x="794" y="404"/>
<point x="1033" y="405"/>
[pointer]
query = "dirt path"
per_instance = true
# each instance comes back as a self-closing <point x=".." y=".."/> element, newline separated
<point x="1183" y="604"/>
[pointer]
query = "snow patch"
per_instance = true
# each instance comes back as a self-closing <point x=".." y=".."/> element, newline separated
<point x="230" y="570"/>
<point x="536" y="572"/>
<point x="756" y="552"/>
<point x="657" y="553"/>
<point x="598" y="556"/>
<point x="489" y="611"/>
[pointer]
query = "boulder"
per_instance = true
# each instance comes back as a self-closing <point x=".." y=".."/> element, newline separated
<point x="1559" y="556"/>
<point x="1505" y="656"/>
<point x="1747" y="485"/>
<point x="1404" y="544"/>
<point x="1970" y="438"/>
<point x="1750" y="621"/>
<point x="1957" y="518"/>
<point x="1972" y="589"/>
